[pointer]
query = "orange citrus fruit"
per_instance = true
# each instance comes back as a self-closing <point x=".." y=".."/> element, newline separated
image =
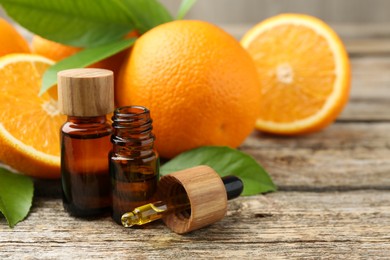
<point x="304" y="73"/>
<point x="52" y="50"/>
<point x="200" y="85"/>
<point x="11" y="41"/>
<point x="29" y="124"/>
<point x="57" y="51"/>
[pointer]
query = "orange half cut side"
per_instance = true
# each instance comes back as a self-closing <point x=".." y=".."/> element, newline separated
<point x="304" y="72"/>
<point x="29" y="124"/>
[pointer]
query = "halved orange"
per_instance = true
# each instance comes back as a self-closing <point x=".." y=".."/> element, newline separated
<point x="29" y="124"/>
<point x="304" y="73"/>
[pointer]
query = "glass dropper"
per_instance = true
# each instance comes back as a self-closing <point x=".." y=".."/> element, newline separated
<point x="177" y="204"/>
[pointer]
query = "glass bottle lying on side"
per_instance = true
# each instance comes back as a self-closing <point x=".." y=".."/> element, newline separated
<point x="179" y="203"/>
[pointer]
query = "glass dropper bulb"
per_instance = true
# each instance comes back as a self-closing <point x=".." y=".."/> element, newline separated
<point x="179" y="203"/>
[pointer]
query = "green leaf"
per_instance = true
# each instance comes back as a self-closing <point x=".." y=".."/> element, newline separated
<point x="146" y="14"/>
<point x="16" y="193"/>
<point x="82" y="23"/>
<point x="83" y="58"/>
<point x="185" y="6"/>
<point x="225" y="161"/>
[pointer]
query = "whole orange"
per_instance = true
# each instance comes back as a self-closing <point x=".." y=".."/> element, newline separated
<point x="52" y="50"/>
<point x="11" y="41"/>
<point x="200" y="85"/>
<point x="57" y="51"/>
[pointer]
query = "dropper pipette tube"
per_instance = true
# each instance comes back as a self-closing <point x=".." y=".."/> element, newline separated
<point x="179" y="204"/>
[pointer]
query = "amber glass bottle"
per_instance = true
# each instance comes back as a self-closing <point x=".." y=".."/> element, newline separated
<point x="134" y="164"/>
<point x="86" y="96"/>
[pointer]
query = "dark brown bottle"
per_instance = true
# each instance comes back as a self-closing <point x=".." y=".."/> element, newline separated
<point x="134" y="164"/>
<point x="86" y="96"/>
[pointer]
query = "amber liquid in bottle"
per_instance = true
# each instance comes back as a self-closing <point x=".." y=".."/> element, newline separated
<point x="85" y="142"/>
<point x="134" y="163"/>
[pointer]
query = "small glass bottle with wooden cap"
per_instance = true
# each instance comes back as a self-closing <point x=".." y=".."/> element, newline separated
<point x="86" y="96"/>
<point x="134" y="163"/>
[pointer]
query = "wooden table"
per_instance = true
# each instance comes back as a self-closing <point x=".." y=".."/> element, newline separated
<point x="333" y="199"/>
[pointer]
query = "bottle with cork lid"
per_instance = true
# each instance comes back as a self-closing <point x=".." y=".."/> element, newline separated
<point x="86" y="96"/>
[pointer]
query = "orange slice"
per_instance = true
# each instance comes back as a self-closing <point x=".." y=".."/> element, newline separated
<point x="304" y="73"/>
<point x="29" y="124"/>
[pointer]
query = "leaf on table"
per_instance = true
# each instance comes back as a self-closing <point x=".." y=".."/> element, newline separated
<point x="81" y="23"/>
<point x="185" y="6"/>
<point x="82" y="59"/>
<point x="225" y="161"/>
<point x="16" y="194"/>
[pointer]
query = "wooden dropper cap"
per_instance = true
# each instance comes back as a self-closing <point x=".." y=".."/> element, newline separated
<point x="85" y="92"/>
<point x="206" y="193"/>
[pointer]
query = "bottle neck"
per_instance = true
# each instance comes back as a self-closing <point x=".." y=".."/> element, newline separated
<point x="87" y="120"/>
<point x="132" y="131"/>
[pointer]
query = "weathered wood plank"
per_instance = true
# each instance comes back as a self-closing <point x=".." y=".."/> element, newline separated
<point x="370" y="78"/>
<point x="343" y="156"/>
<point x="282" y="224"/>
<point x="363" y="31"/>
<point x="338" y="136"/>
<point x="370" y="90"/>
<point x="366" y="110"/>
<point x="363" y="47"/>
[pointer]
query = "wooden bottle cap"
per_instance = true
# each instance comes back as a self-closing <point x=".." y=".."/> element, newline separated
<point x="85" y="92"/>
<point x="206" y="193"/>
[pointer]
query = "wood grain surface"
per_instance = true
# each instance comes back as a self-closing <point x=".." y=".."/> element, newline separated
<point x="333" y="200"/>
<point x="290" y="224"/>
